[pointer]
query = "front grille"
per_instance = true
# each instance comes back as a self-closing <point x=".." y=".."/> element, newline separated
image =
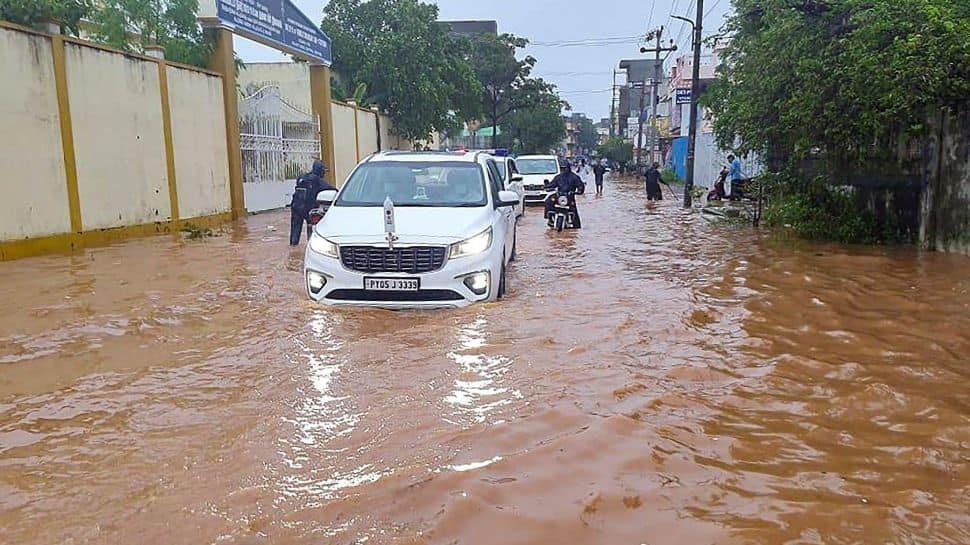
<point x="535" y="187"/>
<point x="395" y="296"/>
<point x="414" y="260"/>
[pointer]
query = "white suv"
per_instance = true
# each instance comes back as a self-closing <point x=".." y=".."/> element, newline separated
<point x="536" y="171"/>
<point x="414" y="230"/>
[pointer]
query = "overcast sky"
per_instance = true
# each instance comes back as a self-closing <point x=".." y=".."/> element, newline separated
<point x="583" y="73"/>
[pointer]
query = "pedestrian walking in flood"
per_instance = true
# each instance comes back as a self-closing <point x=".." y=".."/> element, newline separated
<point x="653" y="180"/>
<point x="305" y="200"/>
<point x="599" y="170"/>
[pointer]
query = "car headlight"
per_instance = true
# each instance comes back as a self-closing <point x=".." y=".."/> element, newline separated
<point x="472" y="246"/>
<point x="323" y="246"/>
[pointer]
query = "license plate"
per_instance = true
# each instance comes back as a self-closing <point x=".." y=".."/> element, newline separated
<point x="391" y="284"/>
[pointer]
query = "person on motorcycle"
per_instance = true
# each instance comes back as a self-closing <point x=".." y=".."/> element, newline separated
<point x="565" y="183"/>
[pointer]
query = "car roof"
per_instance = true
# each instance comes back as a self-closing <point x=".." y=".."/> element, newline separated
<point x="427" y="156"/>
<point x="537" y="157"/>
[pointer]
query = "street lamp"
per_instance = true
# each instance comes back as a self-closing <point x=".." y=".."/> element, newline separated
<point x="694" y="91"/>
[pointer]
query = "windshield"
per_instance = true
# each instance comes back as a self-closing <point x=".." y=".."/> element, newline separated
<point x="501" y="168"/>
<point x="537" y="166"/>
<point x="430" y="183"/>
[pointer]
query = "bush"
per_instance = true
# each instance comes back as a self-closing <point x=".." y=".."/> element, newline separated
<point x="824" y="213"/>
<point x="670" y="175"/>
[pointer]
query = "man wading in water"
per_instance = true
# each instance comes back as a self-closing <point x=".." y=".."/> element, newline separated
<point x="653" y="181"/>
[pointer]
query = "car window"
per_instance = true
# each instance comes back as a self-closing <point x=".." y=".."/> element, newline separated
<point x="512" y="167"/>
<point x="538" y="166"/>
<point x="415" y="183"/>
<point x="501" y="169"/>
<point x="495" y="180"/>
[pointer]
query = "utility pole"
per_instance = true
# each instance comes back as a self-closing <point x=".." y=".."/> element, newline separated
<point x="694" y="91"/>
<point x="655" y="82"/>
<point x="642" y="89"/>
<point x="613" y="106"/>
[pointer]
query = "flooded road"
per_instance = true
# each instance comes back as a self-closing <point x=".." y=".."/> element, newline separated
<point x="655" y="378"/>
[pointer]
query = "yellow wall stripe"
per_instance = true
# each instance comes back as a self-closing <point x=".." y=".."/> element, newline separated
<point x="169" y="141"/>
<point x="223" y="61"/>
<point x="16" y="249"/>
<point x="67" y="132"/>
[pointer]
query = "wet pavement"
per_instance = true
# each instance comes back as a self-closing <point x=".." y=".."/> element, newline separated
<point x="655" y="378"/>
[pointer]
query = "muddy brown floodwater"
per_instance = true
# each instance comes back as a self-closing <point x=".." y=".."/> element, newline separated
<point x="655" y="378"/>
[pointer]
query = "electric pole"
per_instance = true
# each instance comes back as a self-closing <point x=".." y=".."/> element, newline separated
<point x="613" y="106"/>
<point x="694" y="91"/>
<point x="655" y="82"/>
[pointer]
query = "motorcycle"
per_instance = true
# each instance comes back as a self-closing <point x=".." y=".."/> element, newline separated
<point x="317" y="213"/>
<point x="562" y="214"/>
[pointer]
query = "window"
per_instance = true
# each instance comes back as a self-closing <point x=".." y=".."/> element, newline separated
<point x="538" y="166"/>
<point x="415" y="183"/>
<point x="501" y="169"/>
<point x="495" y="180"/>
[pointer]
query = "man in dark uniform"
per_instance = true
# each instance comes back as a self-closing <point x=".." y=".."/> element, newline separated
<point x="653" y="181"/>
<point x="305" y="200"/>
<point x="565" y="183"/>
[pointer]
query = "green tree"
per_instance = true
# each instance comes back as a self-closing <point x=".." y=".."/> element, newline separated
<point x="504" y="78"/>
<point x="845" y="79"/>
<point x="538" y="129"/>
<point x="34" y="12"/>
<point x="616" y="149"/>
<point x="834" y="88"/>
<point x="412" y="69"/>
<point x="134" y="24"/>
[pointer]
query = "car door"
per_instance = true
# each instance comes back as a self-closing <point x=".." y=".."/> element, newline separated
<point x="504" y="217"/>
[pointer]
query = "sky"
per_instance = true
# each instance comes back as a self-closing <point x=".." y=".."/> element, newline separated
<point x="608" y="31"/>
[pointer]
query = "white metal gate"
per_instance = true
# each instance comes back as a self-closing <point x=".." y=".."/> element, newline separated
<point x="278" y="141"/>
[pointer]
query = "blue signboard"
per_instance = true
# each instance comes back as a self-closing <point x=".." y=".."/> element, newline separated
<point x="683" y="96"/>
<point x="277" y="23"/>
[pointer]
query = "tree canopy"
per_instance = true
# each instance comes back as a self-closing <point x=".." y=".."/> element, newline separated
<point x="508" y="91"/>
<point x="616" y="149"/>
<point x="847" y="77"/>
<point x="533" y="130"/>
<point x="31" y="12"/>
<point x="134" y="24"/>
<point x="413" y="69"/>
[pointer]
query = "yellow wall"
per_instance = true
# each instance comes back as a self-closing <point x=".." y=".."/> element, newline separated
<point x="366" y="133"/>
<point x="84" y="154"/>
<point x="116" y="109"/>
<point x="199" y="137"/>
<point x="33" y="201"/>
<point x="344" y="141"/>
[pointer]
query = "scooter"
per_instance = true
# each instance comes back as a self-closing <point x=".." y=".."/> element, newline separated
<point x="562" y="215"/>
<point x="317" y="213"/>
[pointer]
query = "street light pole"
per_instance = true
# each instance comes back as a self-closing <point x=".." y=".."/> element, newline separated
<point x="694" y="92"/>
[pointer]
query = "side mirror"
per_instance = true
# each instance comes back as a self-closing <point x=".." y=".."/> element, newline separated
<point x="507" y="198"/>
<point x="516" y="179"/>
<point x="327" y="196"/>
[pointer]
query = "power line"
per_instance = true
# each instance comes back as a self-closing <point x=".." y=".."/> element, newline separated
<point x="588" y="41"/>
<point x="594" y="73"/>
<point x="710" y="11"/>
<point x="673" y="8"/>
<point x="585" y="91"/>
